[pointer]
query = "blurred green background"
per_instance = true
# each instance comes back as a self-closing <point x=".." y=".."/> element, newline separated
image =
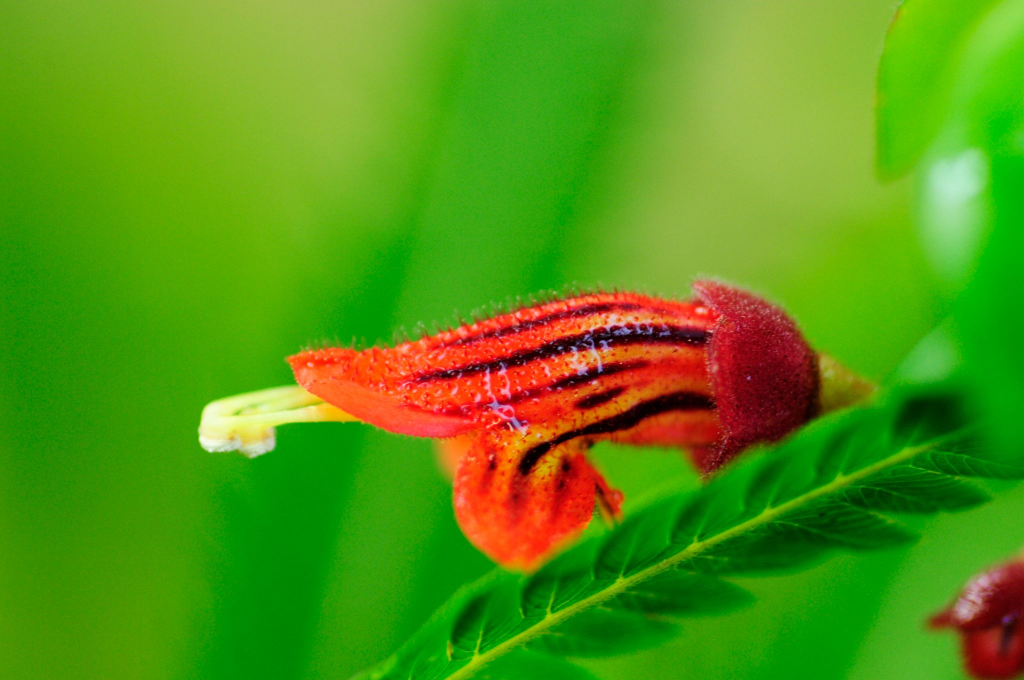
<point x="191" y="191"/>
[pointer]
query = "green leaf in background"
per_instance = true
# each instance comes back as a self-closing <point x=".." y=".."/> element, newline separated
<point x="971" y="180"/>
<point x="916" y="75"/>
<point x="994" y="109"/>
<point x="830" y="487"/>
<point x="994" y="300"/>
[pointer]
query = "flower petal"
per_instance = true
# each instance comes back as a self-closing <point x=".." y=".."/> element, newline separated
<point x="987" y="599"/>
<point x="334" y="375"/>
<point x="996" y="652"/>
<point x="518" y="516"/>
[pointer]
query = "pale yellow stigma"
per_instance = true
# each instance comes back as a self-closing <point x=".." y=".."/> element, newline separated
<point x="246" y="422"/>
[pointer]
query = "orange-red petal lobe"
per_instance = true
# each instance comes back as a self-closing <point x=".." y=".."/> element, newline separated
<point x="520" y="518"/>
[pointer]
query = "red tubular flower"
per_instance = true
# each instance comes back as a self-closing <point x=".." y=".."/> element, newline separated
<point x="519" y="399"/>
<point x="987" y="614"/>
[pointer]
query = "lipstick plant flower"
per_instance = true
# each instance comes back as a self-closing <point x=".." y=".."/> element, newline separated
<point x="518" y="399"/>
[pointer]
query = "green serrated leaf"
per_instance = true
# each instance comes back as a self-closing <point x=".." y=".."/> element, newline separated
<point x="604" y="631"/>
<point x="638" y="543"/>
<point x="523" y="665"/>
<point x="912" y="489"/>
<point x="802" y="537"/>
<point x="485" y="620"/>
<point x="761" y="551"/>
<point x="719" y="505"/>
<point x="827" y="488"/>
<point x="964" y="465"/>
<point x="677" y="593"/>
<point x="566" y="579"/>
<point x="839" y="524"/>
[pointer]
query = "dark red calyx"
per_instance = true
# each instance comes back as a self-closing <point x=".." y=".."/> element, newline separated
<point x="764" y="374"/>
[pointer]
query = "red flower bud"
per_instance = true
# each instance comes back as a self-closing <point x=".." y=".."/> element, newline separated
<point x="520" y="398"/>
<point x="987" y="614"/>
